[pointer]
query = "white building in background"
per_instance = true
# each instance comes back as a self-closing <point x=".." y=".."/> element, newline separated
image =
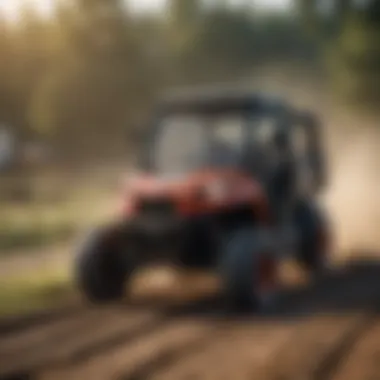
<point x="7" y="146"/>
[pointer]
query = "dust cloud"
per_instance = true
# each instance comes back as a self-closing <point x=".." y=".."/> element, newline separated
<point x="352" y="142"/>
<point x="353" y="194"/>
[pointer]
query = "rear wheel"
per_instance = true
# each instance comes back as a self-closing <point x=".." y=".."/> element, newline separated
<point x="100" y="268"/>
<point x="248" y="273"/>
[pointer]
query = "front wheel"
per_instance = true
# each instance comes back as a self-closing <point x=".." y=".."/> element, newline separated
<point x="249" y="274"/>
<point x="99" y="270"/>
<point x="314" y="250"/>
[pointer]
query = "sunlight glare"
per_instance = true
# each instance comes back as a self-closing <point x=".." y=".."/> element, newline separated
<point x="11" y="8"/>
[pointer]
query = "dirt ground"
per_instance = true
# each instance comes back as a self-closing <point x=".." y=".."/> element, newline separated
<point x="327" y="329"/>
<point x="323" y="330"/>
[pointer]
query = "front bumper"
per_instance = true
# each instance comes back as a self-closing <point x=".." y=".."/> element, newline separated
<point x="158" y="238"/>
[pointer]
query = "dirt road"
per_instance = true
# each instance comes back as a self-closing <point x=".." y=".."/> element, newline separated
<point x="326" y="330"/>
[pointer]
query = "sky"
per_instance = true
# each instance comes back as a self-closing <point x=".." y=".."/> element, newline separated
<point x="10" y="7"/>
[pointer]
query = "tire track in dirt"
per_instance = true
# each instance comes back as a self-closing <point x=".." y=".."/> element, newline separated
<point x="227" y="355"/>
<point x="164" y="354"/>
<point x="301" y="340"/>
<point x="174" y="337"/>
<point x="80" y="338"/>
<point x="273" y="350"/>
<point x="341" y="349"/>
<point x="10" y="325"/>
<point x="45" y="334"/>
<point x="363" y="362"/>
<point x="93" y="331"/>
<point x="316" y="351"/>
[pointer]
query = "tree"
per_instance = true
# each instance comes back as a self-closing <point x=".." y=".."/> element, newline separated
<point x="350" y="33"/>
<point x="26" y="54"/>
<point x="8" y="112"/>
<point x="101" y="79"/>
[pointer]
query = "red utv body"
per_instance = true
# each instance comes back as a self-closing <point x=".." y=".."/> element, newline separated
<point x="210" y="193"/>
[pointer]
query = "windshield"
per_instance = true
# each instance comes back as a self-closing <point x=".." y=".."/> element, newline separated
<point x="188" y="142"/>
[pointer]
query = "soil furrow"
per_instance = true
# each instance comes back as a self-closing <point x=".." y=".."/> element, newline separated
<point x="15" y="324"/>
<point x="168" y="355"/>
<point x="50" y="332"/>
<point x="83" y="335"/>
<point x="363" y="362"/>
<point x="305" y="356"/>
<point x="316" y="350"/>
<point x="96" y="334"/>
<point x="315" y="335"/>
<point x="338" y="352"/>
<point x="255" y="338"/>
<point x="227" y="356"/>
<point x="132" y="356"/>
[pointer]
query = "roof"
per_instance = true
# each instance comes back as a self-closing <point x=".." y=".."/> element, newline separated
<point x="216" y="98"/>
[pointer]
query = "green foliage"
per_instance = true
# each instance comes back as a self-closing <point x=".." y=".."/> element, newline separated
<point x="26" y="53"/>
<point x="101" y="76"/>
<point x="82" y="76"/>
<point x="352" y="47"/>
<point x="220" y="42"/>
<point x="26" y="293"/>
<point x="226" y="37"/>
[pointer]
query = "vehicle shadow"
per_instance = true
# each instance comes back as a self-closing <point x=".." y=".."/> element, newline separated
<point x="353" y="287"/>
<point x="350" y="288"/>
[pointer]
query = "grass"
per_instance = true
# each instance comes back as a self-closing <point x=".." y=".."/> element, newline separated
<point x="53" y="215"/>
<point x="33" y="230"/>
<point x="39" y="224"/>
<point x="32" y="292"/>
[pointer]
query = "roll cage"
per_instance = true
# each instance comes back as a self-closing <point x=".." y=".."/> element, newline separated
<point x="218" y="102"/>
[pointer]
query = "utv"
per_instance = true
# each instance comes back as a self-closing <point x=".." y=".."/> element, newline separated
<point x="227" y="182"/>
